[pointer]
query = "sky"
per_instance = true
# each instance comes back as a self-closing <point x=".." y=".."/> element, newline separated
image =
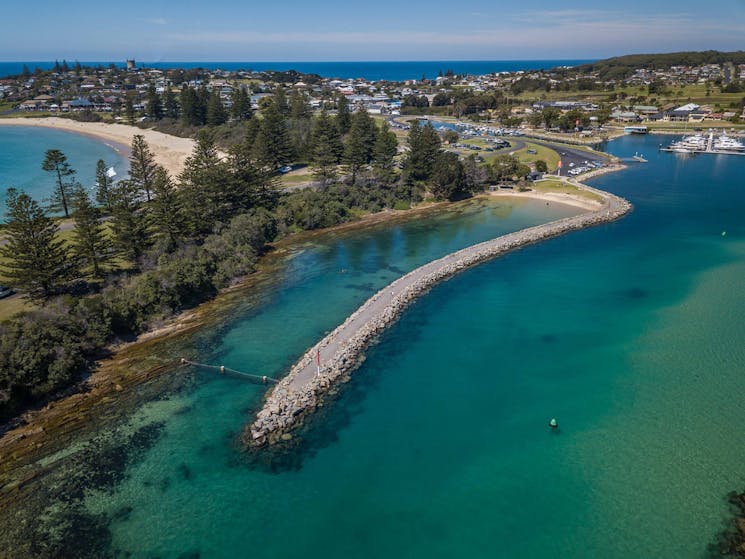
<point x="341" y="30"/>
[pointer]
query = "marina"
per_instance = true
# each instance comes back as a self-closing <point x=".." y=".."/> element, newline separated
<point x="699" y="143"/>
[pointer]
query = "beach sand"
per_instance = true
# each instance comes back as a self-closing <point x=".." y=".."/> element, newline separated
<point x="169" y="151"/>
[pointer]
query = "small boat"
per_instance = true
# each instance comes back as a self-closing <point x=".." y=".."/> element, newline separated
<point x="553" y="424"/>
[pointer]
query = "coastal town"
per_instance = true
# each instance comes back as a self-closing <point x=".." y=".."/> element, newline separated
<point x="279" y="294"/>
<point x="517" y="98"/>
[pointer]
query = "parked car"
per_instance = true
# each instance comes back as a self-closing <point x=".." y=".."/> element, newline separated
<point x="5" y="292"/>
<point x="285" y="169"/>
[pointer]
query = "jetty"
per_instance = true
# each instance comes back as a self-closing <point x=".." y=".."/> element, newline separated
<point x="329" y="361"/>
<point x="724" y="145"/>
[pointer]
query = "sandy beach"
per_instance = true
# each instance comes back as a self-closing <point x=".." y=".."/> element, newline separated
<point x="170" y="151"/>
<point x="556" y="198"/>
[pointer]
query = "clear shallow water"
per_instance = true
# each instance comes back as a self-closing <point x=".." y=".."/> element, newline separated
<point x="630" y="334"/>
<point x="22" y="150"/>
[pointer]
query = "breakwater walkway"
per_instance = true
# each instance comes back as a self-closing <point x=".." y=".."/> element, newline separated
<point x="302" y="390"/>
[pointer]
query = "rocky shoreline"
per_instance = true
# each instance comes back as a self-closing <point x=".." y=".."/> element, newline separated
<point x="335" y="356"/>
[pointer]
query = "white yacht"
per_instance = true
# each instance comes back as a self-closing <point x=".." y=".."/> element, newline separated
<point x="696" y="142"/>
<point x="726" y="143"/>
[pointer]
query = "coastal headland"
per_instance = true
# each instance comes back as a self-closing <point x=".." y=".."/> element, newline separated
<point x="336" y="355"/>
<point x="169" y="151"/>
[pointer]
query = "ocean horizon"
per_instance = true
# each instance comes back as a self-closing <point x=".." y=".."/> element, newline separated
<point x="370" y="69"/>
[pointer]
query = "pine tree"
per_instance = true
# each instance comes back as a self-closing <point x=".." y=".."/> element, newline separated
<point x="343" y="118"/>
<point x="252" y="131"/>
<point x="216" y="113"/>
<point x="299" y="125"/>
<point x="25" y="73"/>
<point x="165" y="211"/>
<point x="424" y="144"/>
<point x="90" y="243"/>
<point x="171" y="107"/>
<point x="280" y="101"/>
<point x="129" y="109"/>
<point x="128" y="221"/>
<point x="103" y="185"/>
<point x="448" y="177"/>
<point x="241" y="109"/>
<point x="272" y="147"/>
<point x="299" y="107"/>
<point x="189" y="106"/>
<point x="154" y="104"/>
<point x="36" y="261"/>
<point x="203" y="99"/>
<point x="327" y="147"/>
<point x="141" y="165"/>
<point x="386" y="147"/>
<point x="207" y="187"/>
<point x="360" y="143"/>
<point x="56" y="162"/>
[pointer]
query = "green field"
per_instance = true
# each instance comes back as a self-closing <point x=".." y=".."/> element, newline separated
<point x="562" y="187"/>
<point x="690" y="126"/>
<point x="693" y="93"/>
<point x="550" y="156"/>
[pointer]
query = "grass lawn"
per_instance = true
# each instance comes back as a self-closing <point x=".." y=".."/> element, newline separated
<point x="550" y="156"/>
<point x="291" y="180"/>
<point x="561" y="187"/>
<point x="691" y="126"/>
<point x="13" y="305"/>
<point x="692" y="93"/>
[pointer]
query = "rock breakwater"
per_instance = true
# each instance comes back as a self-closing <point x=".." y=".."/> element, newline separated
<point x="336" y="355"/>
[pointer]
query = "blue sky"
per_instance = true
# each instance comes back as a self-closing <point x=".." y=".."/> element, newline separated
<point x="296" y="30"/>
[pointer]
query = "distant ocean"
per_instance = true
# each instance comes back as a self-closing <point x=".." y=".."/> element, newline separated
<point x="393" y="71"/>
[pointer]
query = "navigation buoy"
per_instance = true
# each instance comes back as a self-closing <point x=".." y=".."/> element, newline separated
<point x="553" y="424"/>
<point x="724" y="233"/>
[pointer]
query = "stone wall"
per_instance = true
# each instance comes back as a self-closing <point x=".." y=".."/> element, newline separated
<point x="298" y="395"/>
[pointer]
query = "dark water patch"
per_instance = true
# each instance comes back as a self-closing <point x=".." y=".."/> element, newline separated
<point x="549" y="338"/>
<point x="730" y="542"/>
<point x="195" y="554"/>
<point x="54" y="521"/>
<point x="183" y="410"/>
<point x="122" y="514"/>
<point x="164" y="484"/>
<point x="185" y="472"/>
<point x="635" y="293"/>
<point x="396" y="270"/>
<point x="363" y="287"/>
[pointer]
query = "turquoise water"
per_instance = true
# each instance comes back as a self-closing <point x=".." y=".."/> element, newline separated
<point x="22" y="151"/>
<point x="630" y="334"/>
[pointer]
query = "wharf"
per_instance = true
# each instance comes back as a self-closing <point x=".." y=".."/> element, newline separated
<point x="710" y="151"/>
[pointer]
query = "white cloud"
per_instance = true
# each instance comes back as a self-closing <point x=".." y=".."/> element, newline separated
<point x="157" y="21"/>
